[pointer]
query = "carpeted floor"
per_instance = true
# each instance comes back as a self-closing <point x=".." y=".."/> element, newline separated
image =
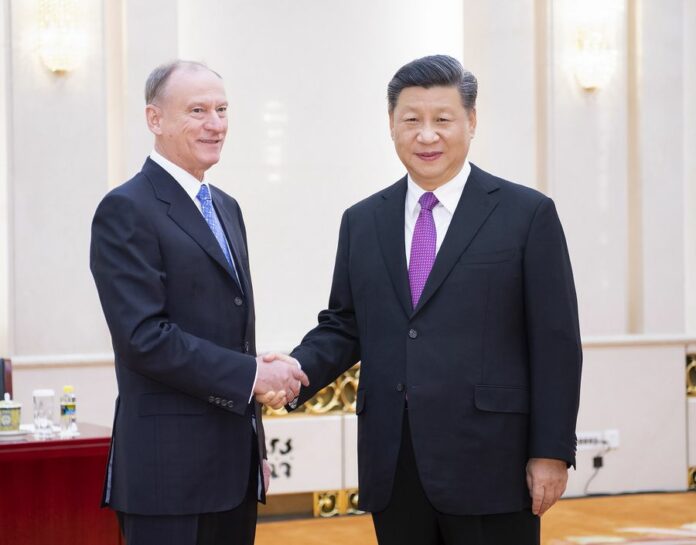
<point x="662" y="519"/>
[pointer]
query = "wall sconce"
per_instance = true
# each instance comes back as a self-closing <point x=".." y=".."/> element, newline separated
<point x="61" y="38"/>
<point x="594" y="26"/>
<point x="595" y="59"/>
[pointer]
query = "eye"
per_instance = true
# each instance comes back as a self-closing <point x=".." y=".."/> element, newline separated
<point x="410" y="120"/>
<point x="443" y="120"/>
<point x="222" y="109"/>
<point x="197" y="110"/>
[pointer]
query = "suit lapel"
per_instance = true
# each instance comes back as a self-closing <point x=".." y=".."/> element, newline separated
<point x="478" y="200"/>
<point x="389" y="218"/>
<point x="230" y="223"/>
<point x="184" y="213"/>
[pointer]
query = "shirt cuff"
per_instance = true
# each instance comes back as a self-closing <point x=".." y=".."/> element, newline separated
<point x="253" y="385"/>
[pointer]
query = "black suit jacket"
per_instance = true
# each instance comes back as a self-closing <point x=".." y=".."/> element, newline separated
<point x="490" y="358"/>
<point x="183" y="339"/>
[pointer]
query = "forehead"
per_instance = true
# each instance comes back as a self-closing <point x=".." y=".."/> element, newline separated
<point x="188" y="85"/>
<point x="432" y="97"/>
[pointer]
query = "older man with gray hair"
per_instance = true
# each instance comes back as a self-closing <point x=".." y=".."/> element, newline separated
<point x="169" y="257"/>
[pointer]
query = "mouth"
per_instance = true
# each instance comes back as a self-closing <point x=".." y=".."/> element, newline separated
<point x="210" y="141"/>
<point x="429" y="155"/>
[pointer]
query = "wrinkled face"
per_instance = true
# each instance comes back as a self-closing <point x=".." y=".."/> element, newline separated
<point x="189" y="120"/>
<point x="432" y="131"/>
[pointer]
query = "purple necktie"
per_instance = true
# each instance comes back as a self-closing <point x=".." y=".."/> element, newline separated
<point x="422" y="247"/>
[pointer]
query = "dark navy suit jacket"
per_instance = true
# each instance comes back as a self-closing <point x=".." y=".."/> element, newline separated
<point x="183" y="339"/>
<point x="490" y="358"/>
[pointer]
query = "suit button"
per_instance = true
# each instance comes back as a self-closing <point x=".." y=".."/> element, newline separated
<point x="246" y="347"/>
<point x="238" y="301"/>
<point x="412" y="333"/>
<point x="230" y="403"/>
<point x="400" y="387"/>
<point x="223" y="403"/>
<point x="211" y="399"/>
<point x="217" y="401"/>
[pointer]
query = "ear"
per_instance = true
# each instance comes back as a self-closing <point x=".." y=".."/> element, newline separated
<point x="472" y="121"/>
<point x="153" y="114"/>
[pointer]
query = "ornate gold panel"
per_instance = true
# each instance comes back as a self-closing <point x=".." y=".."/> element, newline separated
<point x="692" y="478"/>
<point x="691" y="374"/>
<point x="352" y="496"/>
<point x="337" y="397"/>
<point x="327" y="504"/>
<point x="331" y="503"/>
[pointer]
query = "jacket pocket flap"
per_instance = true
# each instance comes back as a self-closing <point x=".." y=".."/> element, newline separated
<point x="502" y="399"/>
<point x="165" y="403"/>
<point x="360" y="402"/>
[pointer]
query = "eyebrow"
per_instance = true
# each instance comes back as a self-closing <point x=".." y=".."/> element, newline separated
<point x="204" y="103"/>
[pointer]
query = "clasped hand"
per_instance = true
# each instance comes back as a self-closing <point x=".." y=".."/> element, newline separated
<point x="278" y="380"/>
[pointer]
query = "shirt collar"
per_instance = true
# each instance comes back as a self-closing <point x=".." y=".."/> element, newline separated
<point x="190" y="183"/>
<point x="448" y="194"/>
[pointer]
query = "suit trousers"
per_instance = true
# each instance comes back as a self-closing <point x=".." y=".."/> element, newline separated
<point x="234" y="527"/>
<point x="410" y="518"/>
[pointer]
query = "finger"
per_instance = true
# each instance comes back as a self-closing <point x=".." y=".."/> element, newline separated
<point x="268" y="358"/>
<point x="279" y="404"/>
<point x="278" y="400"/>
<point x="537" y="499"/>
<point x="286" y="358"/>
<point x="301" y="376"/>
<point x="549" y="500"/>
<point x="266" y="398"/>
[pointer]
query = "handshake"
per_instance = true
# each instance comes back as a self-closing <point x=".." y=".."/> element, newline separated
<point x="278" y="379"/>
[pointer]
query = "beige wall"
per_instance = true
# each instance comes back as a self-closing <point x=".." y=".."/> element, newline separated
<point x="309" y="137"/>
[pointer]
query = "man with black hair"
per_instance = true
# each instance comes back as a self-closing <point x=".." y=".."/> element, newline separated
<point x="454" y="289"/>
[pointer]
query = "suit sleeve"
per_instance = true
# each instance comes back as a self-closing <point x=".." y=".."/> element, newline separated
<point x="130" y="276"/>
<point x="333" y="346"/>
<point x="553" y="333"/>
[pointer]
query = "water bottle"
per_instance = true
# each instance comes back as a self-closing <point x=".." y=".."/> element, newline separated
<point x="68" y="412"/>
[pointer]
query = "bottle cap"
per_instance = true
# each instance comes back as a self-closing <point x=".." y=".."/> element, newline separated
<point x="68" y="389"/>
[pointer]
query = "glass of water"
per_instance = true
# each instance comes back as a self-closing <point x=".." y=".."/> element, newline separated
<point x="43" y="412"/>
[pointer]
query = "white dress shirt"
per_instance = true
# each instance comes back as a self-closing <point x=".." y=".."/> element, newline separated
<point x="448" y="196"/>
<point x="192" y="186"/>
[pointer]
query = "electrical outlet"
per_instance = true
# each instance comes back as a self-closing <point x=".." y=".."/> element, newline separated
<point x="590" y="440"/>
<point x="612" y="438"/>
<point x="596" y="440"/>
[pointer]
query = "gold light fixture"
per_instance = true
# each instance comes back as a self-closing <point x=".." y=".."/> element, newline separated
<point x="595" y="54"/>
<point x="61" y="38"/>
<point x="595" y="59"/>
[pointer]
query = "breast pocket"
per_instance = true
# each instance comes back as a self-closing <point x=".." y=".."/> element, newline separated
<point x="488" y="258"/>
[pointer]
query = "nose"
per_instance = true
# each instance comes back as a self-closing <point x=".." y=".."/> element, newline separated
<point x="427" y="135"/>
<point x="214" y="122"/>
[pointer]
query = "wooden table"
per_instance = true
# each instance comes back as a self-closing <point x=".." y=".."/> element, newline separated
<point x="50" y="490"/>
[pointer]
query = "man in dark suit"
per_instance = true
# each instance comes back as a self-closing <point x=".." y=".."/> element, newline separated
<point x="454" y="289"/>
<point x="169" y="257"/>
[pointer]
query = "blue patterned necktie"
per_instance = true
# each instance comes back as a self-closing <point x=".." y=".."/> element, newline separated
<point x="214" y="224"/>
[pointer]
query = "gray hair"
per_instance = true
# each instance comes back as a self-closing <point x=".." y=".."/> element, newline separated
<point x="156" y="81"/>
<point x="433" y="71"/>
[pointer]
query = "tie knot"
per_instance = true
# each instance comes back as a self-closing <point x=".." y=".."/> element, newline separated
<point x="203" y="194"/>
<point x="428" y="200"/>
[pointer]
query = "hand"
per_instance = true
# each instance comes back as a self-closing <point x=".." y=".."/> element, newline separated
<point x="275" y="400"/>
<point x="277" y="372"/>
<point x="266" y="470"/>
<point x="546" y="480"/>
<point x="293" y="393"/>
